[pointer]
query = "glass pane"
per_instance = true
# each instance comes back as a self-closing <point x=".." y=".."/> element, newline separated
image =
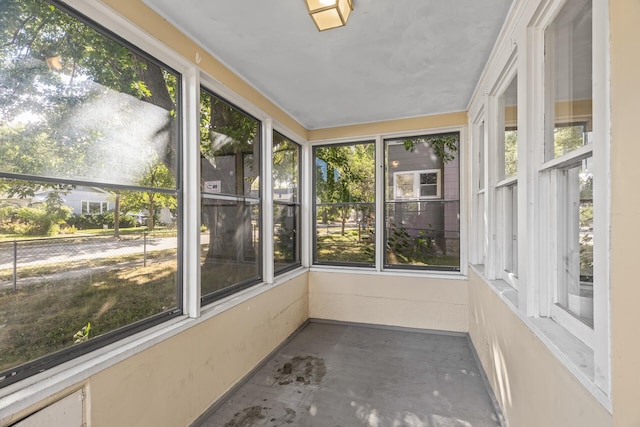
<point x="230" y="147"/>
<point x="510" y="101"/>
<point x="345" y="233"/>
<point x="344" y="203"/>
<point x="230" y="242"/>
<point x="74" y="281"/>
<point x="286" y="238"/>
<point x="286" y="215"/>
<point x="428" y="190"/>
<point x="481" y="157"/>
<point x="423" y="233"/>
<point x="569" y="77"/>
<point x="286" y="155"/>
<point x="404" y="186"/>
<point x="78" y="105"/>
<point x="576" y="285"/>
<point x="429" y="178"/>
<point x="511" y="230"/>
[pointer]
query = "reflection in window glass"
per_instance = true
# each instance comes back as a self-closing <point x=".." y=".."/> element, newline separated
<point x="422" y="204"/>
<point x="575" y="292"/>
<point x="344" y="205"/>
<point x="89" y="140"/>
<point x="230" y="188"/>
<point x="286" y="203"/>
<point x="230" y="244"/>
<point x="569" y="73"/>
<point x="78" y="105"/>
<point x="510" y="101"/>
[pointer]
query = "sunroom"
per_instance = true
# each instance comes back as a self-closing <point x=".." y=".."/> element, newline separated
<point x="186" y="187"/>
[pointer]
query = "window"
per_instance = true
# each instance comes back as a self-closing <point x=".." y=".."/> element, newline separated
<point x="286" y="203"/>
<point x="506" y="196"/>
<point x="94" y="208"/>
<point x="568" y="172"/>
<point x="417" y="184"/>
<point x="230" y="198"/>
<point x="479" y="195"/>
<point x="81" y="109"/>
<point x="422" y="202"/>
<point x="344" y="208"/>
<point x="548" y="170"/>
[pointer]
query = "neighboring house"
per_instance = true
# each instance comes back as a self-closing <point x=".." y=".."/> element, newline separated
<point x="424" y="192"/>
<point x="81" y="200"/>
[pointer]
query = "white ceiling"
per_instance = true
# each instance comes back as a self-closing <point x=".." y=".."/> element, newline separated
<point x="394" y="59"/>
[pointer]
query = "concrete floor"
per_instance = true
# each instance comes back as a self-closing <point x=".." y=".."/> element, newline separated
<point x="345" y="375"/>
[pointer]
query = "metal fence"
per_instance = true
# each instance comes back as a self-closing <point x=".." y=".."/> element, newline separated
<point x="23" y="261"/>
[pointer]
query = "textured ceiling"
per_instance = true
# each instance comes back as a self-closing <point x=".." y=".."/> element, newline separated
<point x="394" y="59"/>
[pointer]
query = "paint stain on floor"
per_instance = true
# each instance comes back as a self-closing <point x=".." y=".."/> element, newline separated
<point x="262" y="416"/>
<point x="302" y="370"/>
<point x="247" y="417"/>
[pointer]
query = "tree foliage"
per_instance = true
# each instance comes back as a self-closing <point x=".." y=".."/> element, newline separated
<point x="345" y="176"/>
<point x="444" y="146"/>
<point x="69" y="95"/>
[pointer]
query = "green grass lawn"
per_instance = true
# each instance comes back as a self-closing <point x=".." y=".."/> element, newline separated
<point x="347" y="248"/>
<point x="42" y="317"/>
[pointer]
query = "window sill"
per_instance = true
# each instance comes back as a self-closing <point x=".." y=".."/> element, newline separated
<point x="37" y="390"/>
<point x="576" y="356"/>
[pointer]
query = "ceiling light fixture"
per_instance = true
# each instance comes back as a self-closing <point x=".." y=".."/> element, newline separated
<point x="329" y="14"/>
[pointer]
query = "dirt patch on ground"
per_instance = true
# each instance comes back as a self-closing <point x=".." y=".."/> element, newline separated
<point x="302" y="370"/>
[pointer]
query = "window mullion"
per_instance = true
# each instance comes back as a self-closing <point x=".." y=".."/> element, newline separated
<point x="306" y="210"/>
<point x="267" y="201"/>
<point x="379" y="204"/>
<point x="191" y="195"/>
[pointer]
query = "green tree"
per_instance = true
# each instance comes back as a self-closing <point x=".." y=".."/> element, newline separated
<point x="158" y="175"/>
<point x="346" y="177"/>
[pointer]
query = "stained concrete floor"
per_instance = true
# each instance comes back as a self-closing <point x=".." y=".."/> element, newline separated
<point x="347" y="375"/>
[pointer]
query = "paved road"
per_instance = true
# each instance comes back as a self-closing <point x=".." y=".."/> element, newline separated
<point x="67" y="250"/>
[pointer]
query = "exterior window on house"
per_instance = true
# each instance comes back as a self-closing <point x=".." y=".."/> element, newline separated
<point x="507" y="187"/>
<point x="286" y="203"/>
<point x="568" y="172"/>
<point x="344" y="207"/>
<point x="94" y="208"/>
<point x="417" y="185"/>
<point x="422" y="202"/>
<point x="80" y="108"/>
<point x="230" y="198"/>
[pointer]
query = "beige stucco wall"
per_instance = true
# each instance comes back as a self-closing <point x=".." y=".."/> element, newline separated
<point x="175" y="381"/>
<point x="414" y="302"/>
<point x="532" y="387"/>
<point x="625" y="210"/>
<point x="390" y="126"/>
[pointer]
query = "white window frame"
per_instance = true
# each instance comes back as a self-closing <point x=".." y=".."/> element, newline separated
<point x="505" y="209"/>
<point x="532" y="301"/>
<point x="416" y="184"/>
<point x="480" y="227"/>
<point x="598" y="336"/>
<point x="85" y="207"/>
